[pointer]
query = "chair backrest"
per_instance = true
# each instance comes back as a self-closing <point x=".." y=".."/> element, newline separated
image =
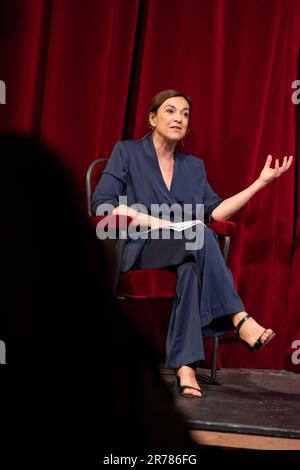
<point x="92" y="177"/>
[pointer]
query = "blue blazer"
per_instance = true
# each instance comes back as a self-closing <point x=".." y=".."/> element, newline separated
<point x="133" y="171"/>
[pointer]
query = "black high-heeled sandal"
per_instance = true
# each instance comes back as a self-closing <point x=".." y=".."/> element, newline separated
<point x="259" y="343"/>
<point x="180" y="388"/>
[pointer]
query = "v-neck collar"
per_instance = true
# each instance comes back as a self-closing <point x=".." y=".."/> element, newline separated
<point x="150" y="150"/>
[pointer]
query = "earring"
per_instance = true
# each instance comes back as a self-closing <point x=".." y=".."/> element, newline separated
<point x="183" y="139"/>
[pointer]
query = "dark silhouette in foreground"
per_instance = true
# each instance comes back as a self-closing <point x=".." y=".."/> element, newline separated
<point x="77" y="375"/>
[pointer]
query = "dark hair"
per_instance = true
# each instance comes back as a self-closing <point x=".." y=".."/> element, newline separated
<point x="164" y="95"/>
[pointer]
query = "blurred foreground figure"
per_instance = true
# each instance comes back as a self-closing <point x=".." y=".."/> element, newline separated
<point x="76" y="374"/>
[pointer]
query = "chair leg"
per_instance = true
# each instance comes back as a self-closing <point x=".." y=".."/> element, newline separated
<point x="212" y="378"/>
<point x="215" y="358"/>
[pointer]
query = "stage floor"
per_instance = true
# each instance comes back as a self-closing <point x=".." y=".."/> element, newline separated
<point x="252" y="408"/>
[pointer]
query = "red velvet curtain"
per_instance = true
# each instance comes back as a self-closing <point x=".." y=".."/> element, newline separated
<point x="82" y="74"/>
<point x="66" y="65"/>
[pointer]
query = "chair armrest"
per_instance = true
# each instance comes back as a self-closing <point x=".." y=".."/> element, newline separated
<point x="223" y="227"/>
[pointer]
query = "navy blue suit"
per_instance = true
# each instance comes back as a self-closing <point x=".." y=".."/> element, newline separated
<point x="205" y="296"/>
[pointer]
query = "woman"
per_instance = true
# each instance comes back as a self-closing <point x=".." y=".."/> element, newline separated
<point x="152" y="171"/>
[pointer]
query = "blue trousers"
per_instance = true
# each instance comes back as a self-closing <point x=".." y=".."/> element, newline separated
<point x="205" y="296"/>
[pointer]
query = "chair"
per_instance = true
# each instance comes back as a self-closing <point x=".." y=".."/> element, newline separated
<point x="145" y="289"/>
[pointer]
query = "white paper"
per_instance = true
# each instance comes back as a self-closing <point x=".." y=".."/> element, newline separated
<point x="176" y="226"/>
<point x="180" y="226"/>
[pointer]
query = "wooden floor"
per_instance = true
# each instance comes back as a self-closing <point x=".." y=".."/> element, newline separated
<point x="251" y="409"/>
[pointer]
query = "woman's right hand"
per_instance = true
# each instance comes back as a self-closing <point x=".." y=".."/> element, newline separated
<point x="149" y="221"/>
<point x="139" y="218"/>
<point x="158" y="223"/>
<point x="125" y="210"/>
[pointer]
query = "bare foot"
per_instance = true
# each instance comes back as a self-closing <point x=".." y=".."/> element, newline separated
<point x="187" y="377"/>
<point x="250" y="330"/>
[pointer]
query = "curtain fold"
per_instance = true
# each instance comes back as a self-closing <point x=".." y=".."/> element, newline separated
<point x="82" y="74"/>
<point x="88" y="78"/>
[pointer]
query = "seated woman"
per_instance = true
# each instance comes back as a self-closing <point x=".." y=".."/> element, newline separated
<point x="152" y="172"/>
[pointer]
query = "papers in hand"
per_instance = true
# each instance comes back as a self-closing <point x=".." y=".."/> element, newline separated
<point x="180" y="226"/>
<point x="176" y="226"/>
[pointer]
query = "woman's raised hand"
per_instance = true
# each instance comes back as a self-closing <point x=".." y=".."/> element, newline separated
<point x="268" y="174"/>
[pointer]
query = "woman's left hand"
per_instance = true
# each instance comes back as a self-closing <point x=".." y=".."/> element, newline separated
<point x="268" y="174"/>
